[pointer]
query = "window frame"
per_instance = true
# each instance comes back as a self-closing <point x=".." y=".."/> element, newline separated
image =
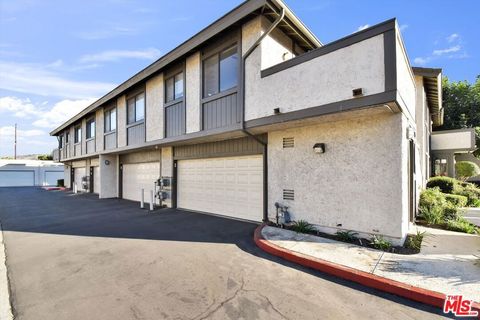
<point x="108" y="112"/>
<point x="77" y="138"/>
<point x="217" y="51"/>
<point x="88" y="129"/>
<point x="171" y="74"/>
<point x="134" y="97"/>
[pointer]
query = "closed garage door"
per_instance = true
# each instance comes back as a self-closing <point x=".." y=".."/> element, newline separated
<point x="78" y="175"/>
<point x="96" y="179"/>
<point x="17" y="178"/>
<point x="137" y="176"/>
<point x="231" y="186"/>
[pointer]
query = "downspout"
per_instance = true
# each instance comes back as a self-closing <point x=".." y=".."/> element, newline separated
<point x="263" y="143"/>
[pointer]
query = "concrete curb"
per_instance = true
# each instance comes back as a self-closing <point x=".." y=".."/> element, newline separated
<point x="404" y="290"/>
<point x="5" y="307"/>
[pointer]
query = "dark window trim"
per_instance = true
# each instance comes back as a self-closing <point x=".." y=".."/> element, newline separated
<point x="136" y="123"/>
<point x="173" y="75"/>
<point x="108" y="110"/>
<point x="77" y="139"/>
<point x="221" y="94"/>
<point x="135" y="111"/>
<point x="87" y="128"/>
<point x="181" y="67"/>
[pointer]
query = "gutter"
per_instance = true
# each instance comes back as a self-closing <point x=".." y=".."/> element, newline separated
<point x="263" y="143"/>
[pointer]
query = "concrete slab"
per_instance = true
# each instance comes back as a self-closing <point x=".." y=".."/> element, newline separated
<point x="449" y="262"/>
<point x="349" y="255"/>
<point x="472" y="215"/>
<point x="5" y="308"/>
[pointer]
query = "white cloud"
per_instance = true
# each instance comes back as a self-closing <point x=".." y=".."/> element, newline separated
<point x="18" y="107"/>
<point x="9" y="131"/>
<point x="39" y="80"/>
<point x="107" y="32"/>
<point x="403" y="27"/>
<point x="453" y="49"/>
<point x="421" y="61"/>
<point x="453" y="37"/>
<point x="365" y="26"/>
<point x="115" y="55"/>
<point x="61" y="112"/>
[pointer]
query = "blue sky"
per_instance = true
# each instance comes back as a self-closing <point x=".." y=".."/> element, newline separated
<point x="56" y="57"/>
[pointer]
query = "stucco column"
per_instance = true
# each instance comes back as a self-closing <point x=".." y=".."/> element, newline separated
<point x="108" y="176"/>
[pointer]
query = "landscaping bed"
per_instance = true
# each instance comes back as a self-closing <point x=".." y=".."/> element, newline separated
<point x="412" y="243"/>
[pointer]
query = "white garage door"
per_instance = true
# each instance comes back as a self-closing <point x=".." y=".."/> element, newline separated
<point x="51" y="177"/>
<point x="96" y="179"/>
<point x="137" y="176"/>
<point x="17" y="178"/>
<point x="78" y="174"/>
<point x="230" y="186"/>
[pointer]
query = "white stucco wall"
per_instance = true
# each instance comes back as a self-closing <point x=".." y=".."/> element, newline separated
<point x="359" y="182"/>
<point x="451" y="140"/>
<point x="108" y="176"/>
<point x="193" y="65"/>
<point x="154" y="108"/>
<point x="405" y="78"/>
<point x="99" y="125"/>
<point x="66" y="176"/>
<point x="122" y="121"/>
<point x="328" y="78"/>
<point x="276" y="47"/>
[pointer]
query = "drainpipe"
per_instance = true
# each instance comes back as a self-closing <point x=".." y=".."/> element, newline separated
<point x="263" y="143"/>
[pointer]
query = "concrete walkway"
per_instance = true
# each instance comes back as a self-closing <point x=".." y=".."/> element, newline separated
<point x="449" y="262"/>
<point x="472" y="215"/>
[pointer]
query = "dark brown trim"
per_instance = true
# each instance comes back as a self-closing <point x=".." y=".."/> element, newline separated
<point x="339" y="106"/>
<point x="333" y="46"/>
<point x="390" y="59"/>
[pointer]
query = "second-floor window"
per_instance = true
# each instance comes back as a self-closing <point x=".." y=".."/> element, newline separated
<point x="111" y="120"/>
<point x="174" y="87"/>
<point x="90" y="129"/>
<point x="60" y="142"/>
<point x="67" y="137"/>
<point x="136" y="108"/>
<point x="78" y="135"/>
<point x="220" y="72"/>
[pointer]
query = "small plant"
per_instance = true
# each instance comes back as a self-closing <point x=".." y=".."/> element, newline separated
<point x="461" y="225"/>
<point x="450" y="212"/>
<point x="432" y="215"/>
<point x="378" y="242"/>
<point x="303" y="226"/>
<point x="347" y="236"/>
<point x="414" y="241"/>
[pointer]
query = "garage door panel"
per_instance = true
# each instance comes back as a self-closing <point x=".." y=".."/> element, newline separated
<point x="137" y="176"/>
<point x="79" y="173"/>
<point x="17" y="178"/>
<point x="228" y="186"/>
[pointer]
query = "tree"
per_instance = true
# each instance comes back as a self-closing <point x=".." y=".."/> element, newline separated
<point x="466" y="169"/>
<point x="461" y="101"/>
<point x="45" y="157"/>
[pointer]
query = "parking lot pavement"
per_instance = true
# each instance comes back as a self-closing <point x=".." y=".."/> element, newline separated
<point x="77" y="257"/>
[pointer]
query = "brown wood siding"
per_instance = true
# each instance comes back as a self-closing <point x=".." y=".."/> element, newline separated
<point x="77" y="150"/>
<point x="221" y="112"/>
<point x="91" y="146"/>
<point x="175" y="120"/>
<point x="136" y="134"/>
<point x="110" y="140"/>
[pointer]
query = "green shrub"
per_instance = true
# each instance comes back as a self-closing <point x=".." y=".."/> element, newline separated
<point x="466" y="169"/>
<point x="456" y="199"/>
<point x="414" y="241"/>
<point x="347" y="236"/>
<point x="461" y="225"/>
<point x="470" y="191"/>
<point x="450" y="211"/>
<point x="60" y="183"/>
<point x="446" y="184"/>
<point x="433" y="215"/>
<point x="303" y="226"/>
<point x="378" y="242"/>
<point x="431" y="206"/>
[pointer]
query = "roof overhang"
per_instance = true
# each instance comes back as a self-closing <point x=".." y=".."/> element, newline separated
<point x="291" y="23"/>
<point x="432" y="81"/>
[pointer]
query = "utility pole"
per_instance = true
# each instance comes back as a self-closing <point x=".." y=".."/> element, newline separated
<point x="15" y="144"/>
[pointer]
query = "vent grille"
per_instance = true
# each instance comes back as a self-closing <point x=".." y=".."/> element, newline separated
<point x="288" y="194"/>
<point x="288" y="142"/>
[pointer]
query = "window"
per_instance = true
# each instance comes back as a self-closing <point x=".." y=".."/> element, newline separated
<point x="111" y="120"/>
<point x="174" y="87"/>
<point x="90" y="129"/>
<point x="440" y="167"/>
<point x="78" y="135"/>
<point x="60" y="142"/>
<point x="136" y="108"/>
<point x="67" y="137"/>
<point x="220" y="72"/>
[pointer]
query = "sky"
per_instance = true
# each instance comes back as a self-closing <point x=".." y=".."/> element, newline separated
<point x="57" y="57"/>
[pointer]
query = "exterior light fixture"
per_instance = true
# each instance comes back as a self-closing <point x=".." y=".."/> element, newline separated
<point x="107" y="162"/>
<point x="319" y="147"/>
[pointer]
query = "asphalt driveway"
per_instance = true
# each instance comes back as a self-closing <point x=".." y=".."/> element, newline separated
<point x="77" y="257"/>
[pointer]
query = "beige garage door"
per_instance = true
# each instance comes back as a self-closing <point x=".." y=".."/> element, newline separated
<point x="137" y="176"/>
<point x="78" y="175"/>
<point x="96" y="179"/>
<point x="231" y="186"/>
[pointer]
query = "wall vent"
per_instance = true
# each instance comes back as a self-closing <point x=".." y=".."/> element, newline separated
<point x="288" y="142"/>
<point x="288" y="194"/>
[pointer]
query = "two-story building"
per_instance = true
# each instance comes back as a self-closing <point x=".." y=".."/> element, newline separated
<point x="254" y="110"/>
